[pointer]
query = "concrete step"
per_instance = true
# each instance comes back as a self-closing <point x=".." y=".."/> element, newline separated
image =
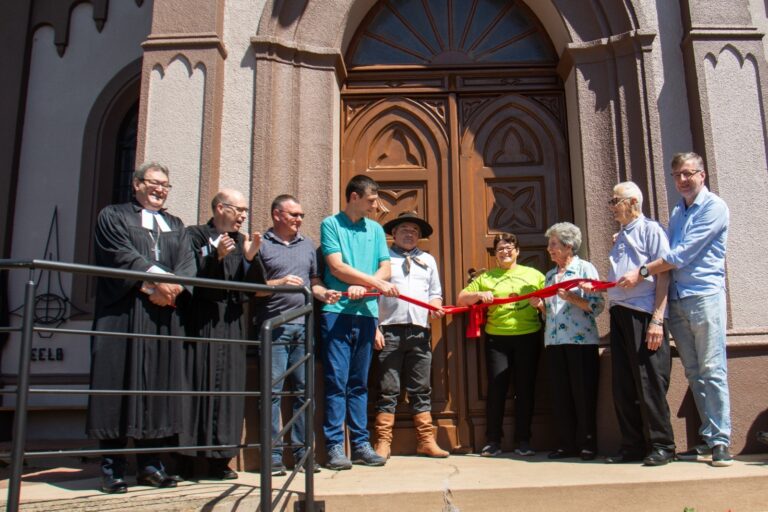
<point x="459" y="483"/>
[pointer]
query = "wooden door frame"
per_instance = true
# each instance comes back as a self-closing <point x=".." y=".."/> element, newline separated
<point x="542" y="86"/>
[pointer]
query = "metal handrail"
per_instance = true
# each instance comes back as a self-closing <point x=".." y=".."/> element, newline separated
<point x="23" y="389"/>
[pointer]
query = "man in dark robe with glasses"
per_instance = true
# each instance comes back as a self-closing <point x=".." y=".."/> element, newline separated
<point x="223" y="253"/>
<point x="142" y="236"/>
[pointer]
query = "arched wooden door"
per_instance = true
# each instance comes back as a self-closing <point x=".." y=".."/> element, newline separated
<point x="458" y="114"/>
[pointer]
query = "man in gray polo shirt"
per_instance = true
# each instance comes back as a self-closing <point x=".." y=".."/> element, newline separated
<point x="289" y="258"/>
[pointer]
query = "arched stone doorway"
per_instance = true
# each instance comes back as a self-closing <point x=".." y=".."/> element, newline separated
<point x="459" y="114"/>
<point x="306" y="86"/>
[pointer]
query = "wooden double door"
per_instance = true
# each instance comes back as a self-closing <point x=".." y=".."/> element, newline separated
<point x="473" y="165"/>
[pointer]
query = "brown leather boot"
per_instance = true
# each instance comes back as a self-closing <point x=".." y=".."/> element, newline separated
<point x="384" y="423"/>
<point x="425" y="435"/>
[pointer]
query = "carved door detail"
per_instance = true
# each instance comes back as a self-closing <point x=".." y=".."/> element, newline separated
<point x="514" y="178"/>
<point x="402" y="143"/>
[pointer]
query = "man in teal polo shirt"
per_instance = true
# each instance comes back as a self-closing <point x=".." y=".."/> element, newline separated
<point x="357" y="258"/>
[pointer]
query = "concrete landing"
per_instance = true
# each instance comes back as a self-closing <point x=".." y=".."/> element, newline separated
<point x="459" y="483"/>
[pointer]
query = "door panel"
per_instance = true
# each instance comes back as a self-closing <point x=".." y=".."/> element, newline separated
<point x="402" y="144"/>
<point x="514" y="178"/>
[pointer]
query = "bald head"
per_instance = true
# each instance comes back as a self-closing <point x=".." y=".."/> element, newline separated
<point x="228" y="195"/>
<point x="230" y="210"/>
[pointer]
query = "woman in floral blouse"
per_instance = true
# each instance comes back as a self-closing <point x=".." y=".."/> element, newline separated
<point x="570" y="340"/>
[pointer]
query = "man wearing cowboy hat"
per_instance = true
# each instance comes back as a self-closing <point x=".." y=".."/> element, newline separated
<point x="404" y="339"/>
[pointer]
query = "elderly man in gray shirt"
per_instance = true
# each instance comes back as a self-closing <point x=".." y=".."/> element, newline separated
<point x="640" y="353"/>
<point x="289" y="258"/>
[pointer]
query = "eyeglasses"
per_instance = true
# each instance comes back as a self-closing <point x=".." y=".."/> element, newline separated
<point x="685" y="174"/>
<point x="616" y="200"/>
<point x="154" y="183"/>
<point x="294" y="215"/>
<point x="505" y="250"/>
<point x="239" y="209"/>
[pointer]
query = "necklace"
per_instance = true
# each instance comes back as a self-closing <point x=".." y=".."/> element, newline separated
<point x="155" y="237"/>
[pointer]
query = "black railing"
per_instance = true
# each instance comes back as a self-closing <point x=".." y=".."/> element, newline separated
<point x="23" y="391"/>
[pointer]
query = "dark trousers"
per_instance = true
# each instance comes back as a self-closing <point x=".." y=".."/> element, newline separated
<point x="514" y="358"/>
<point x="573" y="374"/>
<point x="114" y="464"/>
<point x="406" y="357"/>
<point x="640" y="383"/>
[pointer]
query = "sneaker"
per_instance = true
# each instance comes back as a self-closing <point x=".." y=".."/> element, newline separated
<point x="492" y="449"/>
<point x="698" y="453"/>
<point x="524" y="449"/>
<point x="366" y="456"/>
<point x="337" y="460"/>
<point x="278" y="468"/>
<point x="315" y="468"/>
<point x="721" y="457"/>
<point x="300" y="455"/>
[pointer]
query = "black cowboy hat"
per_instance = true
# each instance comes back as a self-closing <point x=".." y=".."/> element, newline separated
<point x="426" y="229"/>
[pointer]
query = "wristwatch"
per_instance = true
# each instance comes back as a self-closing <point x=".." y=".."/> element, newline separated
<point x="644" y="272"/>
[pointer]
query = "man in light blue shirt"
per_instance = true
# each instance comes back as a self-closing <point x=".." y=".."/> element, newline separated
<point x="698" y="231"/>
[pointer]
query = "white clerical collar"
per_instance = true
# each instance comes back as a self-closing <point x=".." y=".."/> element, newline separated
<point x="215" y="241"/>
<point x="147" y="221"/>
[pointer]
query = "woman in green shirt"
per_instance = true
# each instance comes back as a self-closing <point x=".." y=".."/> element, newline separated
<point x="513" y="342"/>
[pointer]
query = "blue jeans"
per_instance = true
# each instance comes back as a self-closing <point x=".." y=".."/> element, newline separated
<point x="698" y="326"/>
<point x="346" y="354"/>
<point x="284" y="356"/>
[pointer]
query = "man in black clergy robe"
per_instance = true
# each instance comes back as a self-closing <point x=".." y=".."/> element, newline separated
<point x="222" y="253"/>
<point x="139" y="235"/>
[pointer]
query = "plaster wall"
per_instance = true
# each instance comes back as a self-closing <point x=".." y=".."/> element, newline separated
<point x="740" y="154"/>
<point x="241" y="17"/>
<point x="668" y="77"/>
<point x="175" y="130"/>
<point x="61" y="92"/>
<point x="758" y="10"/>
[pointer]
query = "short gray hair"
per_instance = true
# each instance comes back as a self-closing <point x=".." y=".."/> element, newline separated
<point x="139" y="173"/>
<point x="678" y="159"/>
<point x="568" y="234"/>
<point x="631" y="190"/>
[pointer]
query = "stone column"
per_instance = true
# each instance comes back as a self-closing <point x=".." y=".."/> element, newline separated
<point x="296" y="127"/>
<point x="726" y="74"/>
<point x="618" y="125"/>
<point x="192" y="152"/>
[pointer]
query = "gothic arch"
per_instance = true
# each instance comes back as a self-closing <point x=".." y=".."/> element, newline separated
<point x="97" y="164"/>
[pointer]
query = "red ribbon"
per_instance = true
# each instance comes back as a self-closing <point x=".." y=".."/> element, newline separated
<point x="477" y="311"/>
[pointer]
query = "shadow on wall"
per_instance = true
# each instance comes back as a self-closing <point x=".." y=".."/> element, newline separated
<point x="688" y="412"/>
<point x="752" y="444"/>
<point x="287" y="12"/>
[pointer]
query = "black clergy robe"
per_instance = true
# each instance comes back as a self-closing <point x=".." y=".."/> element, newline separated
<point x="125" y="362"/>
<point x="217" y="313"/>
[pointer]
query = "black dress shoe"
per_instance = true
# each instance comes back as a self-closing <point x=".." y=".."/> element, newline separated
<point x="158" y="479"/>
<point x="659" y="457"/>
<point x="623" y="457"/>
<point x="587" y="454"/>
<point x="218" y="469"/>
<point x="223" y="474"/>
<point x="562" y="453"/>
<point x="176" y="478"/>
<point x="112" y="485"/>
